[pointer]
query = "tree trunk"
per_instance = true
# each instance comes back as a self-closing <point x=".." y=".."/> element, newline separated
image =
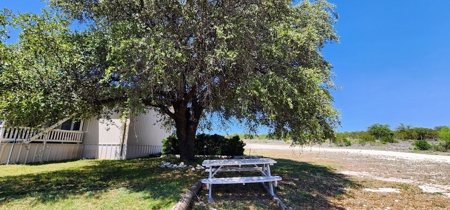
<point x="186" y="123"/>
<point x="186" y="140"/>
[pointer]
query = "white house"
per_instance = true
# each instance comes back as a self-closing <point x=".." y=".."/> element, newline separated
<point x="137" y="136"/>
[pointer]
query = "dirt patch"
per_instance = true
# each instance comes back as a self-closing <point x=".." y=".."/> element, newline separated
<point x="418" y="181"/>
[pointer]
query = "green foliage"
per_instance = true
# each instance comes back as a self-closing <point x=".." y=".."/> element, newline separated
<point x="348" y="143"/>
<point x="387" y="139"/>
<point x="379" y="130"/>
<point x="444" y="136"/>
<point x="170" y="145"/>
<point x="421" y="145"/>
<point x="248" y="136"/>
<point x="341" y="139"/>
<point x="407" y="132"/>
<point x="259" y="62"/>
<point x="444" y="133"/>
<point x="208" y="145"/>
<point x="365" y="137"/>
<point x="234" y="146"/>
<point x="425" y="133"/>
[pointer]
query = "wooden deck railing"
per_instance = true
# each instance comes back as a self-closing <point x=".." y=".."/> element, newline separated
<point x="23" y="134"/>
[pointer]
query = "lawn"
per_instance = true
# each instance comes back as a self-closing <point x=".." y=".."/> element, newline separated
<point x="94" y="184"/>
<point x="310" y="181"/>
<point x="142" y="184"/>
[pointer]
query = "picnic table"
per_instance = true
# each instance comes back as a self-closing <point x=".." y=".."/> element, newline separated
<point x="239" y="165"/>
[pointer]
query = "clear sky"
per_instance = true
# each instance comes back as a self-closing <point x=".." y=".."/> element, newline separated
<point x="392" y="62"/>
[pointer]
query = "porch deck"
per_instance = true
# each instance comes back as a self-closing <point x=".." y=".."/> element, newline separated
<point x="23" y="134"/>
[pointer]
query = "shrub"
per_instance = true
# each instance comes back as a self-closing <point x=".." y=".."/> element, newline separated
<point x="208" y="145"/>
<point x="379" y="130"/>
<point x="387" y="139"/>
<point x="362" y="142"/>
<point x="234" y="146"/>
<point x="342" y="139"/>
<point x="444" y="136"/>
<point x="170" y="145"/>
<point x="367" y="137"/>
<point x="421" y="145"/>
<point x="348" y="143"/>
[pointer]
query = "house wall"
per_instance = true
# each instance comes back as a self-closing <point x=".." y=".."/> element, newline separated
<point x="108" y="139"/>
<point x="38" y="152"/>
<point x="145" y="135"/>
<point x="103" y="138"/>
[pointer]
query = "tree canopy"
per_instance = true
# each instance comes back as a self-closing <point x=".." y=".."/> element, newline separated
<point x="259" y="62"/>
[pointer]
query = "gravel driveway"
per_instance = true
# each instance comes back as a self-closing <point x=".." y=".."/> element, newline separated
<point x="428" y="172"/>
<point x="378" y="153"/>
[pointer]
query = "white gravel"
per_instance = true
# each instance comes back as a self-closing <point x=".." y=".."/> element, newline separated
<point x="412" y="158"/>
<point x="382" y="154"/>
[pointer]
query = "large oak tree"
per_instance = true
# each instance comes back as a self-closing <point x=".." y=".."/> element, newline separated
<point x="257" y="61"/>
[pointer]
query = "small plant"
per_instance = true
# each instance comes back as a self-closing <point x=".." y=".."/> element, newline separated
<point x="170" y="145"/>
<point x="444" y="136"/>
<point x="365" y="137"/>
<point x="421" y="145"/>
<point x="362" y="142"/>
<point x="207" y="145"/>
<point x="387" y="139"/>
<point x="348" y="143"/>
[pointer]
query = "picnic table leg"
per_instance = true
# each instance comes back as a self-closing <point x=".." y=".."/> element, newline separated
<point x="270" y="183"/>
<point x="209" y="186"/>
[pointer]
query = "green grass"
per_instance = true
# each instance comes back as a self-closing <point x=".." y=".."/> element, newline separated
<point x="142" y="184"/>
<point x="94" y="184"/>
<point x="304" y="186"/>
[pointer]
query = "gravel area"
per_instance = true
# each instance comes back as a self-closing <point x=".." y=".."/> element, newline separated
<point x="395" y="150"/>
<point x="430" y="172"/>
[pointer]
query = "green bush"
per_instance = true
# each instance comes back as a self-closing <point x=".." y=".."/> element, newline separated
<point x="387" y="139"/>
<point x="348" y="143"/>
<point x="367" y="137"/>
<point x="421" y="145"/>
<point x="379" y="130"/>
<point x="234" y="146"/>
<point x="170" y="145"/>
<point x="362" y="142"/>
<point x="444" y="136"/>
<point x="208" y="145"/>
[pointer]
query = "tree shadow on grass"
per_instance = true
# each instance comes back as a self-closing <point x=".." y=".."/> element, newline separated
<point x="143" y="174"/>
<point x="304" y="186"/>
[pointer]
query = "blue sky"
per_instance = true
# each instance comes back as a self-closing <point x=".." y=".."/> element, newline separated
<point x="392" y="62"/>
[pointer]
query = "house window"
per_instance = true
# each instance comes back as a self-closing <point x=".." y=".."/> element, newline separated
<point x="67" y="125"/>
<point x="76" y="125"/>
<point x="71" y="125"/>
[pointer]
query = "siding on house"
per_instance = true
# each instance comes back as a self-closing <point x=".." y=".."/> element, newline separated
<point x="138" y="136"/>
<point x="145" y="135"/>
<point x="39" y="152"/>
<point x="102" y="138"/>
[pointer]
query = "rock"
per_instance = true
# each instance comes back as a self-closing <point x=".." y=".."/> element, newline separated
<point x="182" y="164"/>
<point x="200" y="204"/>
<point x="192" y="169"/>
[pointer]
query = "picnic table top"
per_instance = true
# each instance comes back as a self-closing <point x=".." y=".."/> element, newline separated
<point x="232" y="162"/>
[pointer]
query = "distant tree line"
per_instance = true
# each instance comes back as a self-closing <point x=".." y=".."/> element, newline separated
<point x="382" y="133"/>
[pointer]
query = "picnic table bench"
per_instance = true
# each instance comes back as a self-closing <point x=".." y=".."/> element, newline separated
<point x="235" y="165"/>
